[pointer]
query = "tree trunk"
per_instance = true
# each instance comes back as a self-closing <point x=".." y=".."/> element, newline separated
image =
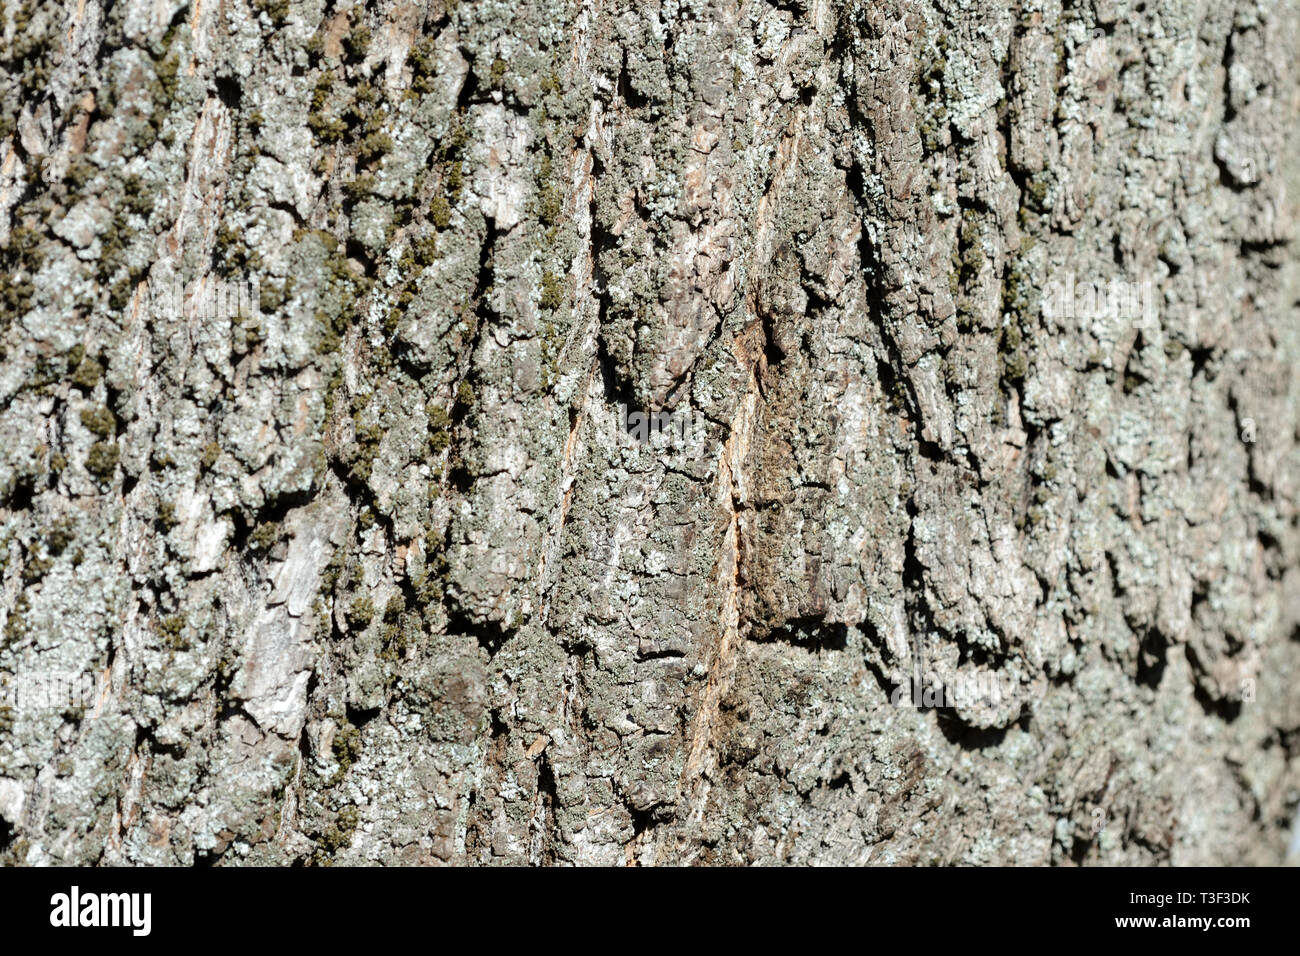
<point x="706" y="432"/>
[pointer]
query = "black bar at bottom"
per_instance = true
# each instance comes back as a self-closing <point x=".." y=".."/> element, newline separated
<point x="876" y="907"/>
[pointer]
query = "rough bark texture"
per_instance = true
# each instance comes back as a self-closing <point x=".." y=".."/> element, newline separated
<point x="368" y="567"/>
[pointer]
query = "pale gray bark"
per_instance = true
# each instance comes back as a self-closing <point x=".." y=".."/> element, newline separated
<point x="369" y="570"/>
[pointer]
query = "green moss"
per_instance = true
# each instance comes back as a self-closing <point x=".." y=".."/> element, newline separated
<point x="337" y="835"/>
<point x="167" y="78"/>
<point x="102" y="459"/>
<point x="929" y="103"/>
<point x="23" y="259"/>
<point x="172" y="630"/>
<point x="455" y="178"/>
<point x="1011" y="354"/>
<point x="16" y="625"/>
<point x="362" y="456"/>
<point x="439" y="428"/>
<point x="357" y="43"/>
<point x="326" y="127"/>
<point x="276" y="10"/>
<point x="440" y="212"/>
<point x="360" y="187"/>
<point x="972" y="255"/>
<point x="114" y="244"/>
<point x="80" y="172"/>
<point x="437" y="415"/>
<point x="360" y="613"/>
<point x="333" y="571"/>
<point x="392" y="321"/>
<point x="422" y="252"/>
<point x="373" y="147"/>
<point x="552" y="343"/>
<point x="99" y="420"/>
<point x="231" y="253"/>
<point x="320" y="93"/>
<point x="426" y="250"/>
<point x="552" y="296"/>
<point x="423" y="61"/>
<point x="36" y="568"/>
<point x="1016" y="288"/>
<point x="272" y="295"/>
<point x="1036" y="191"/>
<point x="395" y="642"/>
<point x="211" y="452"/>
<point x="264" y="536"/>
<point x="428" y="584"/>
<point x="88" y="374"/>
<point x="60" y="536"/>
<point x="451" y="152"/>
<point x="394" y="631"/>
<point x="16" y="294"/>
<point x="346" y="747"/>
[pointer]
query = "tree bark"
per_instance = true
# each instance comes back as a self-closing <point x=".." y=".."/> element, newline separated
<point x="703" y="432"/>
